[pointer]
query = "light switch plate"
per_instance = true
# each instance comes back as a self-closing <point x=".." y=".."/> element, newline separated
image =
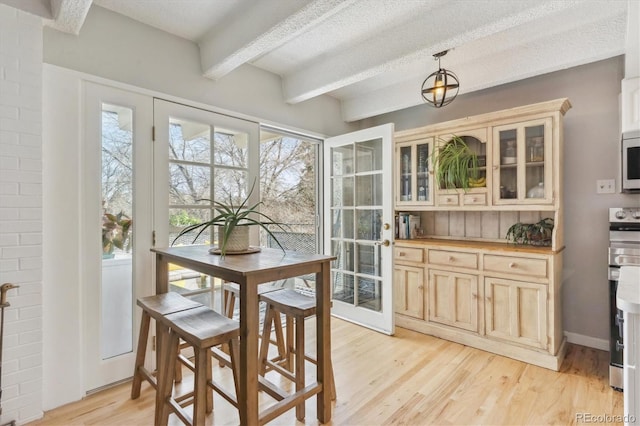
<point x="606" y="186"/>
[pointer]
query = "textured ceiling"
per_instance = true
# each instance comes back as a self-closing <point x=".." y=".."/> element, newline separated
<point x="373" y="55"/>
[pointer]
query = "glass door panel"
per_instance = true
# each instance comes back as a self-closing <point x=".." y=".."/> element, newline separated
<point x="406" y="190"/>
<point x="423" y="171"/>
<point x="534" y="171"/>
<point x="117" y="231"/>
<point x="508" y="164"/>
<point x="360" y="215"/>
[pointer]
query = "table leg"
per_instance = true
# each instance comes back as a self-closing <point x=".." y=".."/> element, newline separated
<point x="248" y="366"/>
<point x="323" y="340"/>
<point x="162" y="286"/>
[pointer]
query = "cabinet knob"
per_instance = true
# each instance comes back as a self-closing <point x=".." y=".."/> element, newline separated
<point x="401" y="254"/>
<point x="495" y="167"/>
<point x="512" y="265"/>
<point x="420" y="287"/>
<point x="451" y="259"/>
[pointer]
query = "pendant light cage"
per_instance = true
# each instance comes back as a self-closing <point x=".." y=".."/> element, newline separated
<point x="441" y="87"/>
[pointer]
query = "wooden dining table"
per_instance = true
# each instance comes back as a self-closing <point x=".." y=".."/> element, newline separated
<point x="250" y="270"/>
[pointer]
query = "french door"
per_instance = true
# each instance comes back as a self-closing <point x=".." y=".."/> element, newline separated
<point x="359" y="223"/>
<point x="116" y="237"/>
<point x="199" y="156"/>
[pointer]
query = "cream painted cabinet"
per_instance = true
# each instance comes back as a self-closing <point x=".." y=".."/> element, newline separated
<point x="516" y="311"/>
<point x="458" y="279"/>
<point x="453" y="299"/>
<point x="408" y="287"/>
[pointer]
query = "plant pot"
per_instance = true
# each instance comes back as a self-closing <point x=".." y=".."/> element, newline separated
<point x="238" y="240"/>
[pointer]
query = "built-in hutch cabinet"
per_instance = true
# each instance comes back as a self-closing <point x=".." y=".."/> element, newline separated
<point x="461" y="280"/>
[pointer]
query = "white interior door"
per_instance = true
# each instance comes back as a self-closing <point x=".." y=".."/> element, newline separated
<point x="199" y="156"/>
<point x="358" y="194"/>
<point x="116" y="189"/>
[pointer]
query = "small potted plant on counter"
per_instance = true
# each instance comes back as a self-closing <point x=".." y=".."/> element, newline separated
<point x="535" y="234"/>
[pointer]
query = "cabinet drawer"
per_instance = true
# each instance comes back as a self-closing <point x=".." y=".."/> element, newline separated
<point x="408" y="254"/>
<point x="453" y="258"/>
<point x="474" y="199"/>
<point x="516" y="265"/>
<point x="448" y="200"/>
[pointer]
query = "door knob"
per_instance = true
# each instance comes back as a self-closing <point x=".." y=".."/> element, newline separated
<point x="383" y="243"/>
<point x="386" y="226"/>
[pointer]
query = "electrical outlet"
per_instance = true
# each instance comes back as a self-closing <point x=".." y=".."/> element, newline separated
<point x="606" y="186"/>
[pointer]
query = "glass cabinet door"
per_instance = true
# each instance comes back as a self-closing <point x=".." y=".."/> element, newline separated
<point x="413" y="185"/>
<point x="406" y="159"/>
<point x="522" y="172"/>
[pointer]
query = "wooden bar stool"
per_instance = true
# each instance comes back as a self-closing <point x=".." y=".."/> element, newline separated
<point x="202" y="328"/>
<point x="155" y="307"/>
<point x="296" y="307"/>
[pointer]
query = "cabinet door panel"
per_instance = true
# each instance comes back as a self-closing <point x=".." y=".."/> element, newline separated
<point x="408" y="284"/>
<point x="453" y="299"/>
<point x="516" y="311"/>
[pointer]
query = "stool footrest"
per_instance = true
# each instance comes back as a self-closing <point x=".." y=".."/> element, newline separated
<point x="291" y="401"/>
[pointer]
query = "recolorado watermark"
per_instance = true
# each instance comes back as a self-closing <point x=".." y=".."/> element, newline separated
<point x="604" y="418"/>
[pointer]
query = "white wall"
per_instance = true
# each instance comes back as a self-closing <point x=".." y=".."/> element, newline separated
<point x="115" y="47"/>
<point x="592" y="137"/>
<point x="21" y="212"/>
<point x="62" y="330"/>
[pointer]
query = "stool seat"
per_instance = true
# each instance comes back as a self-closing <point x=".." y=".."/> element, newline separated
<point x="290" y="302"/>
<point x="163" y="304"/>
<point x="202" y="326"/>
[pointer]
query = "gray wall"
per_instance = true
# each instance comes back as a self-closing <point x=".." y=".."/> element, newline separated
<point x="592" y="134"/>
<point x="121" y="49"/>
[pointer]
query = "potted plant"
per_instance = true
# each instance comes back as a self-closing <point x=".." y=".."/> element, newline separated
<point x="116" y="233"/>
<point x="233" y="223"/>
<point x="536" y="234"/>
<point x="456" y="165"/>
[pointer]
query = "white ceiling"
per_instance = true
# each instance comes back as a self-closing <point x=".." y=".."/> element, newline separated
<point x="373" y="55"/>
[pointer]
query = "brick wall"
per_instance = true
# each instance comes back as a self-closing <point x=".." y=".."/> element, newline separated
<point x="21" y="212"/>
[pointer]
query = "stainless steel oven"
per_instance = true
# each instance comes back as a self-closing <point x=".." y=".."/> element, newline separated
<point x="631" y="162"/>
<point x="624" y="249"/>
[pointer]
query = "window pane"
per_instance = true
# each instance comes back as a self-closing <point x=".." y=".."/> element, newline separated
<point x="369" y="156"/>
<point x="189" y="141"/>
<point x="230" y="148"/>
<point x="117" y="231"/>
<point x="230" y="186"/>
<point x="189" y="184"/>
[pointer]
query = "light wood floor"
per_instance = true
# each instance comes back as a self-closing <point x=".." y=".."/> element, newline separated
<point x="408" y="379"/>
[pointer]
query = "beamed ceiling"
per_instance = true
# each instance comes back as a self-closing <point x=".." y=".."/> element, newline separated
<point x="373" y="55"/>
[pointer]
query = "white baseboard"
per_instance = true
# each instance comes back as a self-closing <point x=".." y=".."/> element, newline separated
<point x="591" y="342"/>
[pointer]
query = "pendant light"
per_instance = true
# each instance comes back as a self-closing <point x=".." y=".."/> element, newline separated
<point x="441" y="87"/>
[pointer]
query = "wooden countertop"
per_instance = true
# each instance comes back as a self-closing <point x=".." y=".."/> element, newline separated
<point x="479" y="245"/>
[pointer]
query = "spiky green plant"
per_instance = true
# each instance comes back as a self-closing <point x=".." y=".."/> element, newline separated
<point x="229" y="216"/>
<point x="455" y="164"/>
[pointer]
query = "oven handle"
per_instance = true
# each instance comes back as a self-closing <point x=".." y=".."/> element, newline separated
<point x="627" y="260"/>
<point x="620" y="322"/>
